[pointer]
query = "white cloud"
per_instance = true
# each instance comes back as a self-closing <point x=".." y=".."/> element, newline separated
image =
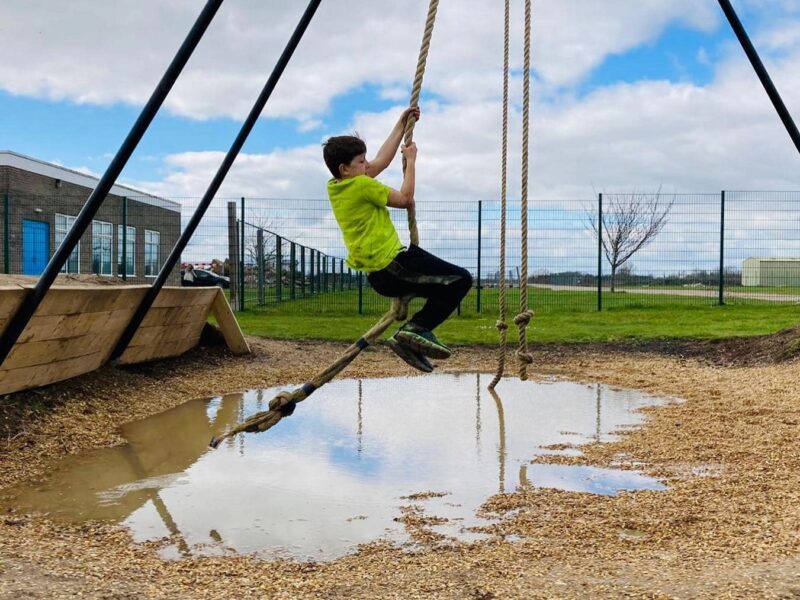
<point x="115" y="51"/>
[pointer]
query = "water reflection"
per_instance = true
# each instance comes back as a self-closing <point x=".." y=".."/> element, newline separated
<point x="328" y="478"/>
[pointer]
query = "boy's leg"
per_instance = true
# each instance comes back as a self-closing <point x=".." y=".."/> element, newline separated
<point x="443" y="284"/>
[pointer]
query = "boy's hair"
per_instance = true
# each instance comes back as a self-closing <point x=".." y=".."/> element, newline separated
<point x="340" y="150"/>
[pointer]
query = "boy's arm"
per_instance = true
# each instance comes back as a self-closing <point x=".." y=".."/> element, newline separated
<point x="387" y="152"/>
<point x="405" y="197"/>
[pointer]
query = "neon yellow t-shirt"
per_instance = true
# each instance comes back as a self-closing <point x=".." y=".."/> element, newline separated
<point x="359" y="205"/>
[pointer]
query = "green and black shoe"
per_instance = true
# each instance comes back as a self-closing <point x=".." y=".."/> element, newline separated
<point x="422" y="340"/>
<point x="415" y="359"/>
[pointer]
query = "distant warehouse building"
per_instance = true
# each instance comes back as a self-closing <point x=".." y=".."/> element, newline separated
<point x="39" y="202"/>
<point x="771" y="272"/>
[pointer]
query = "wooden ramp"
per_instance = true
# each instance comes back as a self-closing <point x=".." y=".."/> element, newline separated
<point x="76" y="327"/>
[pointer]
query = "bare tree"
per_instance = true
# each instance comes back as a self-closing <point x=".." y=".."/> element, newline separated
<point x="630" y="222"/>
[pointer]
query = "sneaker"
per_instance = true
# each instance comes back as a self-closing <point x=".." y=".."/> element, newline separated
<point x="414" y="359"/>
<point x="422" y="341"/>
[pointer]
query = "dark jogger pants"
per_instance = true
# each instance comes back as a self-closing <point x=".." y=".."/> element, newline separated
<point x="422" y="274"/>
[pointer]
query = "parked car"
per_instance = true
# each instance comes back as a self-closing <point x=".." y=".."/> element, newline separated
<point x="203" y="278"/>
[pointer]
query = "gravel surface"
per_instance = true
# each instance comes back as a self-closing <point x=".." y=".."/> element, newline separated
<point x="728" y="526"/>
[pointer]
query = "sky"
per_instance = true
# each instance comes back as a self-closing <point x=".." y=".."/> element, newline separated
<point x="626" y="94"/>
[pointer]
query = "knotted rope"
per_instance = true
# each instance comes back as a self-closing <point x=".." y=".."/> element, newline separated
<point x="284" y="403"/>
<point x="524" y="357"/>
<point x="502" y="326"/>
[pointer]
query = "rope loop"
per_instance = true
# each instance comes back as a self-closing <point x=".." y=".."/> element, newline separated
<point x="525" y="357"/>
<point x="523" y="318"/>
<point x="501" y="326"/>
<point x="281" y="400"/>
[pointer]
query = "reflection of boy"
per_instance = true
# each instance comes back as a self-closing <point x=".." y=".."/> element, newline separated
<point x="359" y="204"/>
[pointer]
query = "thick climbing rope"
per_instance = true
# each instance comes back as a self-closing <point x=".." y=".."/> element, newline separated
<point x="524" y="357"/>
<point x="284" y="403"/>
<point x="502" y="326"/>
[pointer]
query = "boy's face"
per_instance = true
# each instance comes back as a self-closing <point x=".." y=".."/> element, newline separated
<point x="357" y="166"/>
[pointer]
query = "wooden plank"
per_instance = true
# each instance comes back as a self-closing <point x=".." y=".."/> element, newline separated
<point x="166" y="333"/>
<point x="174" y="315"/>
<point x="147" y="353"/>
<point x="228" y="325"/>
<point x="175" y="296"/>
<point x="49" y="351"/>
<point x="30" y="377"/>
<point x="10" y="299"/>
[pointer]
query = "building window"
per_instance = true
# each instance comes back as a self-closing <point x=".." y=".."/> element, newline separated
<point x="63" y="225"/>
<point x="130" y="251"/>
<point x="102" y="243"/>
<point x="152" y="239"/>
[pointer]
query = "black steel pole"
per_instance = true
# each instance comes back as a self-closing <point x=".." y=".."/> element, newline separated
<point x="761" y="71"/>
<point x="599" y="252"/>
<point x="478" y="282"/>
<point x="31" y="302"/>
<point x="216" y="183"/>
<point x="722" y="249"/>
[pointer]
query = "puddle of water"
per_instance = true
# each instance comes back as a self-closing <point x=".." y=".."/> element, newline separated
<point x="335" y="474"/>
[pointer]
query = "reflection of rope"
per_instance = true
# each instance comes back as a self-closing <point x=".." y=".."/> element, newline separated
<point x="502" y="327"/>
<point x="501" y="453"/>
<point x="284" y="403"/>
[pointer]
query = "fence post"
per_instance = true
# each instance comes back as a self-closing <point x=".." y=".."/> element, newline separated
<point x="311" y="273"/>
<point x="599" y="252"/>
<point x="241" y="260"/>
<point x="293" y="272"/>
<point x="341" y="274"/>
<point x="6" y="244"/>
<point x="360" y="293"/>
<point x="478" y="283"/>
<point x="278" y="268"/>
<point x="722" y="248"/>
<point x="125" y="238"/>
<point x="320" y="289"/>
<point x="324" y="273"/>
<point x="260" y="265"/>
<point x="349" y="278"/>
<point x="302" y="271"/>
<point x="233" y="255"/>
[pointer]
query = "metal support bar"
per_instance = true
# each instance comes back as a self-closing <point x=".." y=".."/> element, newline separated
<point x="293" y="272"/>
<point x="216" y="183"/>
<point x="311" y="271"/>
<point x="478" y="278"/>
<point x="302" y="271"/>
<point x="761" y="71"/>
<point x="722" y="249"/>
<point x="360" y="293"/>
<point x="31" y="302"/>
<point x="260" y="265"/>
<point x="599" y="252"/>
<point x="241" y="256"/>
<point x="278" y="269"/>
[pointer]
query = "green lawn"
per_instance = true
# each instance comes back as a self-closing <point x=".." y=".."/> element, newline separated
<point x="623" y="323"/>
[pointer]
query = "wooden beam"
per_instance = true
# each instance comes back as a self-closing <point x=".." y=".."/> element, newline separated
<point x="228" y="325"/>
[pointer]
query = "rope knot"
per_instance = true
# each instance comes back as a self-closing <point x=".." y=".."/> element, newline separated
<point x="523" y="318"/>
<point x="525" y="357"/>
<point x="281" y="400"/>
<point x="501" y="325"/>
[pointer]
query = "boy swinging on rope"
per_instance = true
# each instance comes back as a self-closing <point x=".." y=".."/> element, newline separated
<point x="360" y="204"/>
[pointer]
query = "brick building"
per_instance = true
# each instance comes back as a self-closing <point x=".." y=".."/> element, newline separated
<point x="39" y="202"/>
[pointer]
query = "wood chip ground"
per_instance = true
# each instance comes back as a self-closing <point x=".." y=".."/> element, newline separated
<point x="728" y="526"/>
